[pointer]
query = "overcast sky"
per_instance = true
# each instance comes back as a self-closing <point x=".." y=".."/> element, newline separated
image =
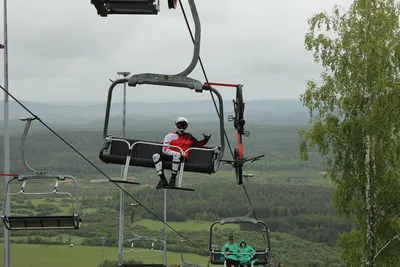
<point x="63" y="51"/>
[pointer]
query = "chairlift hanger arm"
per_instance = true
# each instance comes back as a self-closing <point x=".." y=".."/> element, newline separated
<point x="152" y="7"/>
<point x="23" y="144"/>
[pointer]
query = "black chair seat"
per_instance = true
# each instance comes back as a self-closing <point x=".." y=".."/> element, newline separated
<point x="201" y="161"/>
<point x="262" y="257"/>
<point x="41" y="222"/>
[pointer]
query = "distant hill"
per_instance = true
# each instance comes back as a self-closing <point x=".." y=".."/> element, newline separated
<point x="260" y="111"/>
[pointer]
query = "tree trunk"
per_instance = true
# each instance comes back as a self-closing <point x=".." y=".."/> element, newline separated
<point x="369" y="256"/>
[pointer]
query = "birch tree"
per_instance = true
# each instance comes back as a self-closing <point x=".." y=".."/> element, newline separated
<point x="355" y="119"/>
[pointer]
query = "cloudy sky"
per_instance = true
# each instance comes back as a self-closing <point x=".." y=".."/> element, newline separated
<point x="62" y="51"/>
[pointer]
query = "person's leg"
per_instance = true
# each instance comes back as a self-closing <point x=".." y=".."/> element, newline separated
<point x="160" y="171"/>
<point x="176" y="162"/>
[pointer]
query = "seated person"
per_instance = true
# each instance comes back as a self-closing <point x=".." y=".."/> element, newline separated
<point x="179" y="138"/>
<point x="246" y="253"/>
<point x="229" y="251"/>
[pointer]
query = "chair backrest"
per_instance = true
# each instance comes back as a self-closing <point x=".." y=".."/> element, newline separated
<point x="216" y="257"/>
<point x="201" y="157"/>
<point x="261" y="256"/>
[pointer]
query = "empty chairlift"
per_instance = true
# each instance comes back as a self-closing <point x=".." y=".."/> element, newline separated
<point x="24" y="222"/>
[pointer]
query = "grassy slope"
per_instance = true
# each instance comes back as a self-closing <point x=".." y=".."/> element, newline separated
<point x="25" y="255"/>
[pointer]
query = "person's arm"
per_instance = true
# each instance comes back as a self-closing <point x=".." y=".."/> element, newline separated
<point x="252" y="251"/>
<point x="197" y="143"/>
<point x="223" y="249"/>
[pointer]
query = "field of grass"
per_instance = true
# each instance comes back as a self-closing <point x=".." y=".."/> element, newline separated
<point x="181" y="226"/>
<point x="25" y="255"/>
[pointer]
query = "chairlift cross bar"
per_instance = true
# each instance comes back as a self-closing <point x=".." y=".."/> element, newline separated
<point x="222" y="84"/>
<point x="9" y="174"/>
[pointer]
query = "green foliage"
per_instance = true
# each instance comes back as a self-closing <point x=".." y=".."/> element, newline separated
<point x="355" y="121"/>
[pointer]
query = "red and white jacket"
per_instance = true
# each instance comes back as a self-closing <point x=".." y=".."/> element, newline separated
<point x="184" y="141"/>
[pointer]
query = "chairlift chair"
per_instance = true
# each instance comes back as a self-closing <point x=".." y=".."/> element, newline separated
<point x="261" y="255"/>
<point x="11" y="222"/>
<point x="134" y="152"/>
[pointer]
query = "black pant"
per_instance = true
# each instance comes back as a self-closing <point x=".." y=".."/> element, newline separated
<point x="230" y="262"/>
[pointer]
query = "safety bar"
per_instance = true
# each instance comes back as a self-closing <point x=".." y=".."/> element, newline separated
<point x="182" y="164"/>
<point x="130" y="147"/>
<point x="142" y="250"/>
<point x="143" y="238"/>
<point x="244" y="218"/>
<point x="130" y="240"/>
<point x="244" y="253"/>
<point x="23" y="178"/>
<point x="251" y="254"/>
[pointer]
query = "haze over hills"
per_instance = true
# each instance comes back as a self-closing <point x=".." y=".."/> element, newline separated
<point x="257" y="111"/>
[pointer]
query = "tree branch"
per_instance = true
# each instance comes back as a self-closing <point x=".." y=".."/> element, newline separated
<point x="387" y="244"/>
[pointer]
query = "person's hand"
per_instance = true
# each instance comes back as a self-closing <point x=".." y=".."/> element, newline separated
<point x="207" y="137"/>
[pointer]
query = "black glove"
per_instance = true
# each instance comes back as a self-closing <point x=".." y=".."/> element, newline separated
<point x="207" y="137"/>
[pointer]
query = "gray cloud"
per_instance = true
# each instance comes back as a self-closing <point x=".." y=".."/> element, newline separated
<point x="64" y="51"/>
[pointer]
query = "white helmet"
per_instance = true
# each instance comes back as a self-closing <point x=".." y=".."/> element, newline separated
<point x="181" y="124"/>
